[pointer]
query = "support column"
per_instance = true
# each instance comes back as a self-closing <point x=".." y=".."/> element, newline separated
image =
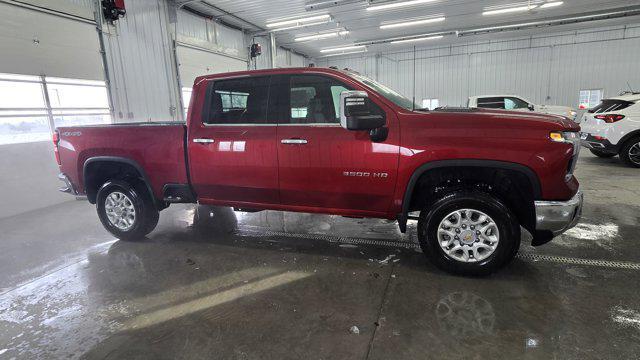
<point x="273" y="50"/>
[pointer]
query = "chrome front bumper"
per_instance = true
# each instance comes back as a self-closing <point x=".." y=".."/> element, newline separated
<point x="558" y="216"/>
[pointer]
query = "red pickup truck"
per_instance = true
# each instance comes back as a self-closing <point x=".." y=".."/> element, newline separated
<point x="336" y="142"/>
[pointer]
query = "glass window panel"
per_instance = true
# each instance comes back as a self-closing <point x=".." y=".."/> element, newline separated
<point x="15" y="94"/>
<point x="77" y="96"/>
<point x="14" y="130"/>
<point x="79" y="120"/>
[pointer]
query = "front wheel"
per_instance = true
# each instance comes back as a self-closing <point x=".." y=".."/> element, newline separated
<point x="468" y="233"/>
<point x="126" y="209"/>
<point x="630" y="152"/>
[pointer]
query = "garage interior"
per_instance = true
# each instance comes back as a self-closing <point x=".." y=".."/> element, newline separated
<point x="211" y="282"/>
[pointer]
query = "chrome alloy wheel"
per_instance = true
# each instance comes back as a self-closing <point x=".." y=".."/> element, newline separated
<point x="468" y="235"/>
<point x="634" y="153"/>
<point x="120" y="210"/>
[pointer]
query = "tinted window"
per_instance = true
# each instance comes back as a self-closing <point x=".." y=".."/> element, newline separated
<point x="511" y="103"/>
<point x="610" y="105"/>
<point x="238" y="101"/>
<point x="491" y="103"/>
<point x="314" y="99"/>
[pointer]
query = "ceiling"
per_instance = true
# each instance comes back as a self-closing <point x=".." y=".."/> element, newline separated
<point x="363" y="25"/>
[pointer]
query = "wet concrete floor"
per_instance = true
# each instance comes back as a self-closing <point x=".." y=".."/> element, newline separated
<point x="210" y="283"/>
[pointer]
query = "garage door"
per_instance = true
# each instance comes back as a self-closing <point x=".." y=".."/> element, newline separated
<point x="54" y="46"/>
<point x="194" y="62"/>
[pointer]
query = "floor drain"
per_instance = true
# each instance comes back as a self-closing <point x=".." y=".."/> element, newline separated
<point x="254" y="232"/>
<point x="578" y="261"/>
<point x="330" y="238"/>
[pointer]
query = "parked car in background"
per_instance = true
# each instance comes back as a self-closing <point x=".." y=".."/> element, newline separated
<point x="518" y="103"/>
<point x="613" y="128"/>
<point x="336" y="142"/>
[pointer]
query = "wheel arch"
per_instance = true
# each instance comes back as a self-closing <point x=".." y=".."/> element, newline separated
<point x="125" y="166"/>
<point x="425" y="169"/>
<point x="627" y="137"/>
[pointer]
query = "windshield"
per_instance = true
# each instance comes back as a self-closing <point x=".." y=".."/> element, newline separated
<point x="388" y="93"/>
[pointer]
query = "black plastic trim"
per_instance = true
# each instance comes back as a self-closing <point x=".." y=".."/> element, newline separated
<point x="406" y="202"/>
<point x="626" y="138"/>
<point x="117" y="159"/>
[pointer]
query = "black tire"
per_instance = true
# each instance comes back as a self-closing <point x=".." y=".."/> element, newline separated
<point x="146" y="213"/>
<point x="631" y="145"/>
<point x="506" y="223"/>
<point x="601" y="154"/>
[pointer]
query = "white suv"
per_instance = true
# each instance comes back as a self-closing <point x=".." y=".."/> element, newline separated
<point x="613" y="128"/>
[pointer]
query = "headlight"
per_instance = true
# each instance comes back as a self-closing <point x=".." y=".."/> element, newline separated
<point x="569" y="137"/>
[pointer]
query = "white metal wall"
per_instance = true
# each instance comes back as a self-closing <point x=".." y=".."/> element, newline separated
<point x="548" y="69"/>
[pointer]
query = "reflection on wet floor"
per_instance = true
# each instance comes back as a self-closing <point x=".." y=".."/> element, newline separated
<point x="214" y="283"/>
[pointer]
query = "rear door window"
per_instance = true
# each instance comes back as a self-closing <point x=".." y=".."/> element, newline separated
<point x="491" y="103"/>
<point x="238" y="101"/>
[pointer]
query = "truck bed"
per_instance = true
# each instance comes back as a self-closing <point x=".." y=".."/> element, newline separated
<point x="158" y="148"/>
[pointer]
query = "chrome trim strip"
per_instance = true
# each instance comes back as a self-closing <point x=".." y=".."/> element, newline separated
<point x="293" y="141"/>
<point x="203" y="141"/>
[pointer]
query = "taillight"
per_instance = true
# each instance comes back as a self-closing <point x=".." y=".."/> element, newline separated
<point x="610" y="118"/>
<point x="56" y="140"/>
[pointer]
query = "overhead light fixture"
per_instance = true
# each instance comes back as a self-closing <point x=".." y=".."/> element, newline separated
<point x="347" y="53"/>
<point x="343" y="48"/>
<point x="412" y="23"/>
<point x="299" y="26"/>
<point x="393" y="5"/>
<point x="551" y="4"/>
<point x="322" y="36"/>
<point x="436" y="37"/>
<point x="509" y="10"/>
<point x="319" y="19"/>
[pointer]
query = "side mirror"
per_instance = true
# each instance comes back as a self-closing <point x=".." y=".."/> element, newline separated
<point x="531" y="107"/>
<point x="357" y="113"/>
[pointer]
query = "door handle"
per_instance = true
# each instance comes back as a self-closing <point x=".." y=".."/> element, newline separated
<point x="293" y="141"/>
<point x="203" y="141"/>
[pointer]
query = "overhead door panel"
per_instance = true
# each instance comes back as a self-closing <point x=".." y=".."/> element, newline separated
<point x="53" y="45"/>
<point x="195" y="62"/>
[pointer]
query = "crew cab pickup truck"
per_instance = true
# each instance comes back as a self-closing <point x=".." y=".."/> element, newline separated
<point x="335" y="142"/>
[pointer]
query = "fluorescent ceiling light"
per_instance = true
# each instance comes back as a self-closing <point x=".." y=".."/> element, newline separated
<point x="300" y="26"/>
<point x="343" y="48"/>
<point x="551" y="4"/>
<point x="418" y="39"/>
<point x="299" y="21"/>
<point x="347" y="53"/>
<point x="412" y="23"/>
<point x="393" y="5"/>
<point x="322" y="36"/>
<point x="509" y="10"/>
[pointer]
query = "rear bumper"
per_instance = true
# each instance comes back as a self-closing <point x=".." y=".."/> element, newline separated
<point x="68" y="185"/>
<point x="556" y="217"/>
<point x="604" y="145"/>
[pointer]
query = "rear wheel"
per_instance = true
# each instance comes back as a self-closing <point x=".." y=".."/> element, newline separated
<point x="602" y="154"/>
<point x="630" y="152"/>
<point x="126" y="209"/>
<point x="469" y="233"/>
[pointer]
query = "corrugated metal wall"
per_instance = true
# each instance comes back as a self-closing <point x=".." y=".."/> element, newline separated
<point x="284" y="57"/>
<point x="549" y="69"/>
<point x="139" y="55"/>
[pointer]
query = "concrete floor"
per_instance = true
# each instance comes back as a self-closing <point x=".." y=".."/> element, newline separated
<point x="275" y="285"/>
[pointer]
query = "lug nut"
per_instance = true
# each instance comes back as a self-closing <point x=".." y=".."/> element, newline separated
<point x="458" y="231"/>
<point x="472" y="227"/>
<point x="464" y="226"/>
